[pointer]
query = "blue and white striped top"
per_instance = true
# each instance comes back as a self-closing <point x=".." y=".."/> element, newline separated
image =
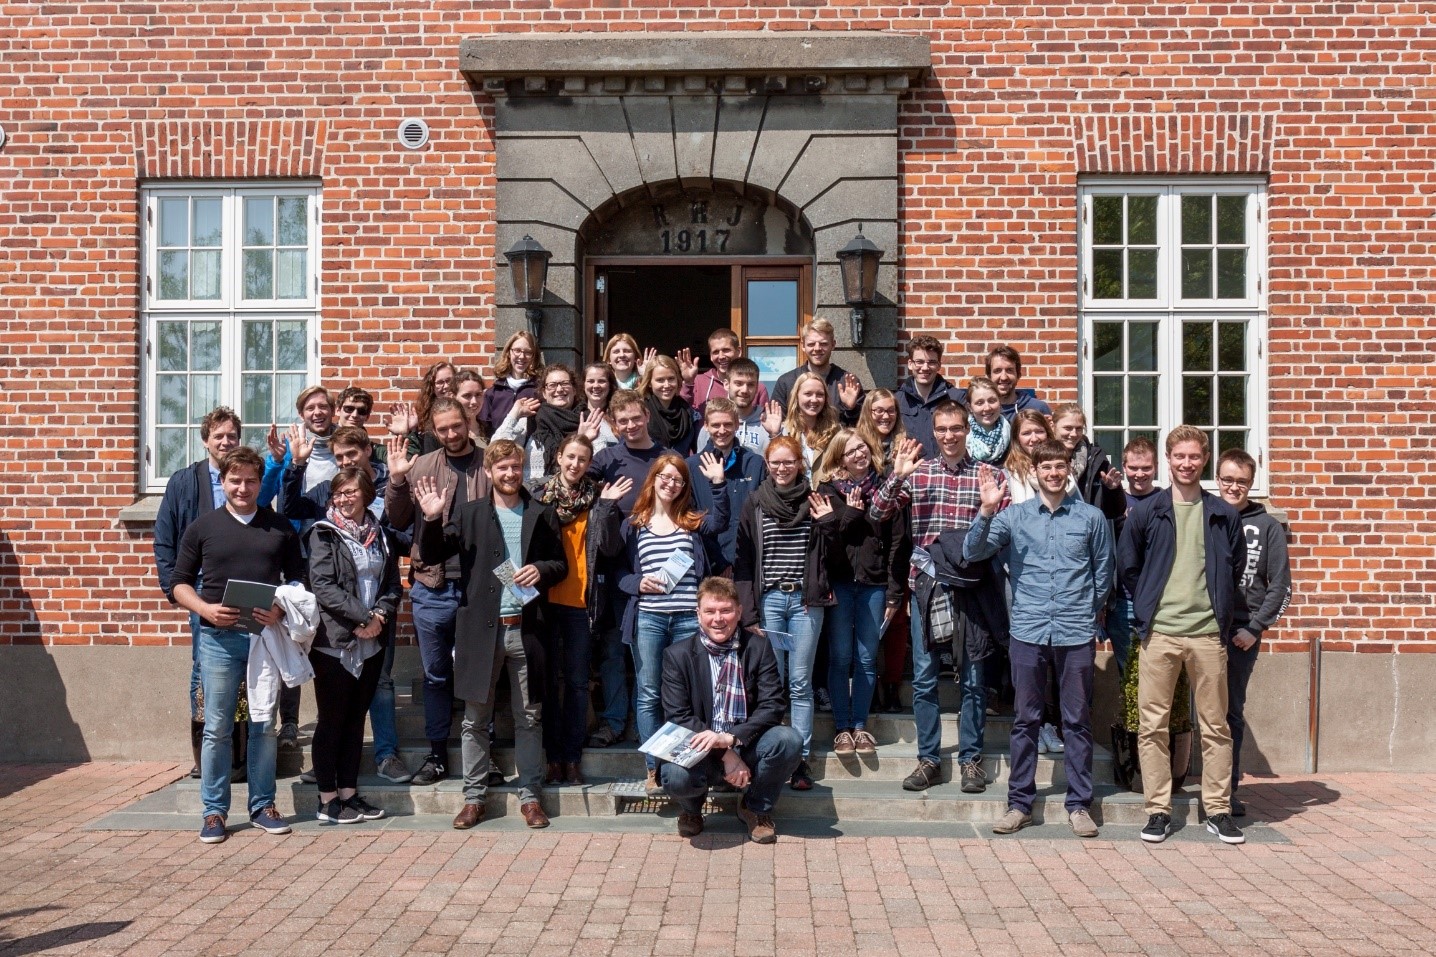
<point x="653" y="551"/>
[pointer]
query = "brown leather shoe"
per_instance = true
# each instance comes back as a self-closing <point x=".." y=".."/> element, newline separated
<point x="573" y="773"/>
<point x="468" y="817"/>
<point x="533" y="814"/>
<point x="760" y="826"/>
<point x="690" y="825"/>
<point x="554" y="773"/>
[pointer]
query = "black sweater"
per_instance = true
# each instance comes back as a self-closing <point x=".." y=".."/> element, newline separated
<point x="265" y="550"/>
<point x="870" y="553"/>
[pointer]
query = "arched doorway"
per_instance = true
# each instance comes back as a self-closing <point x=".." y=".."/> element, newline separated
<point x="673" y="263"/>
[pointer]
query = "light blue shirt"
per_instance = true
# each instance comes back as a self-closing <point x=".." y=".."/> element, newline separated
<point x="1060" y="563"/>
<point x="511" y="521"/>
<point x="216" y="488"/>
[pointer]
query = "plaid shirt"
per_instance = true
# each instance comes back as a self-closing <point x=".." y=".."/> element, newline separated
<point x="942" y="499"/>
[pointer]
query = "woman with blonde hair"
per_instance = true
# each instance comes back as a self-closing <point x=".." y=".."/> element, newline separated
<point x="517" y="368"/>
<point x="622" y="355"/>
<point x="671" y="420"/>
<point x="811" y="420"/>
<point x="880" y="423"/>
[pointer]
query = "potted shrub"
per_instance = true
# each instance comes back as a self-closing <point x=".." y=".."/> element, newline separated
<point x="1125" y="764"/>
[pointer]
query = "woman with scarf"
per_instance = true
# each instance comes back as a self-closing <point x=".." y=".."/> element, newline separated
<point x="668" y="548"/>
<point x="781" y="570"/>
<point x="589" y="526"/>
<point x="516" y="373"/>
<point x="622" y="356"/>
<point x="671" y="420"/>
<point x="811" y="420"/>
<point x="539" y="425"/>
<point x="868" y="570"/>
<point x="989" y="434"/>
<point x="355" y="579"/>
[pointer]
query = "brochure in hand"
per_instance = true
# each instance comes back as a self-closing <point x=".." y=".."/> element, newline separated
<point x="247" y="596"/>
<point x="670" y="743"/>
<point x="505" y="574"/>
<point x="672" y="571"/>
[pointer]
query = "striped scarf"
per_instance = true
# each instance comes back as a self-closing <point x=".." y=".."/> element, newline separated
<point x="989" y="445"/>
<point x="730" y="698"/>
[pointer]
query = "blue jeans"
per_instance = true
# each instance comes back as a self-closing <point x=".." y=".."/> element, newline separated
<point x="1032" y="668"/>
<point x="654" y="632"/>
<point x="569" y="643"/>
<point x="854" y="627"/>
<point x="772" y="761"/>
<point x="1119" y="631"/>
<point x="435" y="610"/>
<point x="381" y="708"/>
<point x="613" y="679"/>
<point x="223" y="655"/>
<point x="973" y="721"/>
<point x="194" y="680"/>
<point x="785" y="611"/>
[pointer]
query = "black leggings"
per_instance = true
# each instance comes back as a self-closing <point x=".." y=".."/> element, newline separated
<point x="343" y="701"/>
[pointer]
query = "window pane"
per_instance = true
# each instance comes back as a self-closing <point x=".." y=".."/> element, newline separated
<point x="1232" y="400"/>
<point x="174" y="221"/>
<point x="1106" y="274"/>
<point x="208" y="224"/>
<point x="1142" y="281"/>
<point x="254" y="437"/>
<point x="1196" y="220"/>
<point x="1230" y="439"/>
<point x="206" y="274"/>
<point x="204" y="338"/>
<point x="1107" y="220"/>
<point x="1107" y="404"/>
<point x="293" y="225"/>
<point x="289" y="273"/>
<point x="1197" y="400"/>
<point x="1107" y="346"/>
<point x="257" y="398"/>
<point x="258" y="344"/>
<point x="1142" y="220"/>
<point x="203" y="396"/>
<point x="1196" y="346"/>
<point x="287" y="389"/>
<point x="1142" y="400"/>
<point x="773" y="361"/>
<point x="1110" y="440"/>
<point x="1232" y="346"/>
<point x="258" y="274"/>
<point x="173" y="347"/>
<point x="174" y="275"/>
<point x="1142" y="347"/>
<point x="1231" y="273"/>
<point x="1196" y="274"/>
<point x="173" y="402"/>
<point x="259" y="221"/>
<point x="772" y="307"/>
<point x="290" y="351"/>
<point x="1232" y="219"/>
<point x="170" y="451"/>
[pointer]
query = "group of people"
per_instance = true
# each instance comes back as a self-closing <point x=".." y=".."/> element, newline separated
<point x="724" y="542"/>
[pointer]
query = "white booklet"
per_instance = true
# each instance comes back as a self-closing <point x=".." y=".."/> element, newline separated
<point x="670" y="743"/>
<point x="505" y="574"/>
<point x="673" y="570"/>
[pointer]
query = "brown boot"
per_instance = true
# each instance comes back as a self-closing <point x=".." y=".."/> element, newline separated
<point x="468" y="816"/>
<point x="533" y="814"/>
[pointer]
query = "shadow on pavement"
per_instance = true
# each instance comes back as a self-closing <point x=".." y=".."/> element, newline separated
<point x="59" y="937"/>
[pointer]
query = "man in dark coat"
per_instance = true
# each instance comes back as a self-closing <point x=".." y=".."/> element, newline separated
<point x="508" y="534"/>
<point x="724" y="686"/>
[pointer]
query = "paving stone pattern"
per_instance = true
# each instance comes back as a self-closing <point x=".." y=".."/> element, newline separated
<point x="1355" y="876"/>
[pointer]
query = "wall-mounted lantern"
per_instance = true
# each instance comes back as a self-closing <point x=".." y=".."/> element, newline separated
<point x="859" y="263"/>
<point x="528" y="264"/>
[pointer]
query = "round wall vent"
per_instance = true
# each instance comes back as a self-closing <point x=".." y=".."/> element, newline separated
<point x="413" y="133"/>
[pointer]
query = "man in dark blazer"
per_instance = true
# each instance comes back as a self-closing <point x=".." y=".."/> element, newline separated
<point x="724" y="685"/>
<point x="190" y="493"/>
<point x="498" y="624"/>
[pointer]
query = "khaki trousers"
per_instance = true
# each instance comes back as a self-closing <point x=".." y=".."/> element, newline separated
<point x="1161" y="663"/>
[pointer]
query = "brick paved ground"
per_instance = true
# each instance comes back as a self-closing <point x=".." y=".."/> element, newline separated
<point x="1356" y="875"/>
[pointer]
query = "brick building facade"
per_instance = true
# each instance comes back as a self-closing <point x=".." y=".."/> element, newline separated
<point x="1172" y="211"/>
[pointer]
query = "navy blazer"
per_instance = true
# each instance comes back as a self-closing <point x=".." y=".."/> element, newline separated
<point x="687" y="691"/>
<point x="1148" y="548"/>
<point x="187" y="497"/>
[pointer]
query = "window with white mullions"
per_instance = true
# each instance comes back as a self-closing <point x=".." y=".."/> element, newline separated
<point x="1173" y="311"/>
<point x="231" y="297"/>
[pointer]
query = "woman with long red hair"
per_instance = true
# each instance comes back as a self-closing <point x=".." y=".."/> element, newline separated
<point x="667" y="549"/>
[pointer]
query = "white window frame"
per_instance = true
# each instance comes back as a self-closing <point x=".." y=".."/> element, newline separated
<point x="230" y="310"/>
<point x="1168" y="310"/>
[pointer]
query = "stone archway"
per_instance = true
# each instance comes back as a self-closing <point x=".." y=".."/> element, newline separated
<point x="585" y="122"/>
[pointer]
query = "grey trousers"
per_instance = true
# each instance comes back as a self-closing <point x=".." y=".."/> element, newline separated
<point x="528" y="730"/>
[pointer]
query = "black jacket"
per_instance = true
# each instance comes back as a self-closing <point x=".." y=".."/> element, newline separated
<point x="476" y="537"/>
<point x="748" y="563"/>
<point x="1149" y="547"/>
<point x="869" y="552"/>
<point x="1266" y="574"/>
<point x="187" y="497"/>
<point x="783" y="390"/>
<point x="334" y="580"/>
<point x="916" y="411"/>
<point x="688" y="687"/>
<point x="1112" y="501"/>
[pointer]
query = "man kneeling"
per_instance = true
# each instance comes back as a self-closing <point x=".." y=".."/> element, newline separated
<point x="724" y="685"/>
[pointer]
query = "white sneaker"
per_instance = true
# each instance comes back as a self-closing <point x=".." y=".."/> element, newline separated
<point x="1050" y="739"/>
<point x="1042" y="739"/>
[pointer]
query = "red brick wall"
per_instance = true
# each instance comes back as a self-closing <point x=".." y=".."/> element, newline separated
<point x="1333" y="102"/>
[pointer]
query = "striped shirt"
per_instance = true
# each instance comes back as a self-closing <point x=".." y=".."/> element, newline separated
<point x="943" y="499"/>
<point x="785" y="552"/>
<point x="653" y="551"/>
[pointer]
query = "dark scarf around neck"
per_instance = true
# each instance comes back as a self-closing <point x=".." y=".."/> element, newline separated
<point x="670" y="426"/>
<point x="786" y="506"/>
